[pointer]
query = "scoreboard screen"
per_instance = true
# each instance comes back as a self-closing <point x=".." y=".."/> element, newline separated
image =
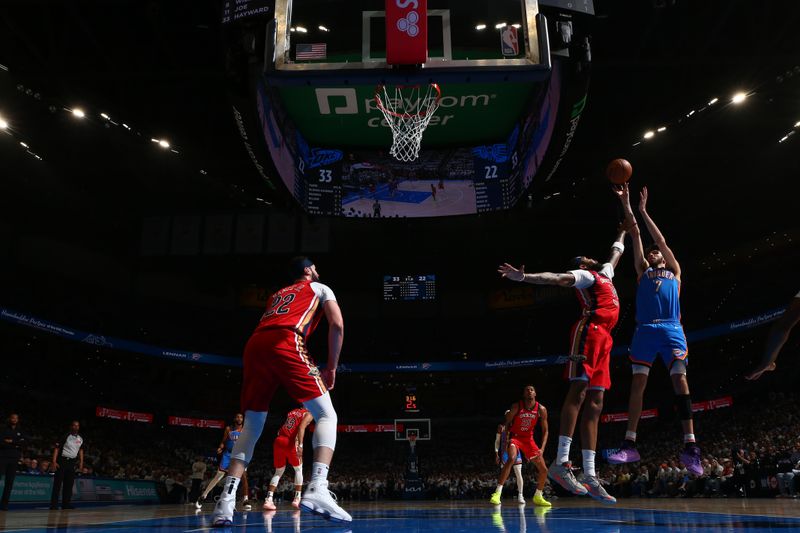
<point x="409" y="288"/>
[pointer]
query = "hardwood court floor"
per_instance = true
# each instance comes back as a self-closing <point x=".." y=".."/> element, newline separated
<point x="567" y="515"/>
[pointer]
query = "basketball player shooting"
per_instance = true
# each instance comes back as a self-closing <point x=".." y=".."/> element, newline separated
<point x="520" y="422"/>
<point x="275" y="356"/>
<point x="658" y="332"/>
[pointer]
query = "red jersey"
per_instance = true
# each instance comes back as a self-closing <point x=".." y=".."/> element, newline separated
<point x="600" y="301"/>
<point x="298" y="307"/>
<point x="524" y="421"/>
<point x="290" y="428"/>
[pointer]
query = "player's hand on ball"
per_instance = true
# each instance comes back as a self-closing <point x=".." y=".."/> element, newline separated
<point x="329" y="377"/>
<point x="623" y="192"/>
<point x="514" y="274"/>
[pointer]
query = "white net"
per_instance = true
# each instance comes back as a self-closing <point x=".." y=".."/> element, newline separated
<point x="408" y="110"/>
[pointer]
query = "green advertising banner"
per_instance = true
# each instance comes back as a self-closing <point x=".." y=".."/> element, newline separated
<point x="469" y="114"/>
<point x="37" y="489"/>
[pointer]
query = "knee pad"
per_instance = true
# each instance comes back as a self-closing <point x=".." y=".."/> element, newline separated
<point x="683" y="403"/>
<point x="325" y="417"/>
<point x="253" y="426"/>
<point x="678" y="367"/>
<point x="298" y="475"/>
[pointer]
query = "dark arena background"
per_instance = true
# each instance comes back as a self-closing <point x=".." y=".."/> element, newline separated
<point x="162" y="161"/>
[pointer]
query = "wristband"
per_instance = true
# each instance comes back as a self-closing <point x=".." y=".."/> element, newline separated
<point x="618" y="246"/>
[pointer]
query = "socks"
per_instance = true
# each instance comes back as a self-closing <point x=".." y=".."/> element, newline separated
<point x="297" y="495"/>
<point x="499" y="489"/>
<point x="588" y="463"/>
<point x="538" y="493"/>
<point x="229" y="488"/>
<point x="564" y="443"/>
<point x="319" y="472"/>
<point x="688" y="438"/>
<point x="631" y="436"/>
<point x="269" y="496"/>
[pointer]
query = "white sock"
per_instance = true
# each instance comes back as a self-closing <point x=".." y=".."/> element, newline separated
<point x="297" y="495"/>
<point x="269" y="496"/>
<point x="518" y="473"/>
<point x="229" y="488"/>
<point x="630" y="435"/>
<point x="688" y="437"/>
<point x="538" y="493"/>
<point x="319" y="472"/>
<point x="499" y="489"/>
<point x="564" y="443"/>
<point x="588" y="462"/>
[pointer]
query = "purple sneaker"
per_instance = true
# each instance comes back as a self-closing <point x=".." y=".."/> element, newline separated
<point x="690" y="457"/>
<point x="626" y="454"/>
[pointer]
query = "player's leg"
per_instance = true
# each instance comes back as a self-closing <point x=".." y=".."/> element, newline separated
<point x="776" y="338"/>
<point x="246" y="490"/>
<point x="541" y="479"/>
<point x="298" y="486"/>
<point x="279" y="462"/>
<point x="643" y="353"/>
<point x="520" y="482"/>
<point x="258" y="387"/>
<point x="504" y="473"/>
<point x="218" y="475"/>
<point x="560" y="470"/>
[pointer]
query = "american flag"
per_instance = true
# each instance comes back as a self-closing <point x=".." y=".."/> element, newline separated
<point x="311" y="51"/>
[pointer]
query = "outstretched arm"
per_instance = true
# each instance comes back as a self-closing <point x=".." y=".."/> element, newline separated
<point x="539" y="278"/>
<point x="630" y="225"/>
<point x="616" y="249"/>
<point x="658" y="237"/>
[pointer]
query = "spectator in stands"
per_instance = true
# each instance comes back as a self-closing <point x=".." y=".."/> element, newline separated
<point x="44" y="467"/>
<point x="33" y="468"/>
<point x="198" y="474"/>
<point x="11" y="442"/>
<point x="787" y="463"/>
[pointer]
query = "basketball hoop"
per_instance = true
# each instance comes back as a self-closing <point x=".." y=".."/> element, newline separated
<point x="412" y="441"/>
<point x="408" y="109"/>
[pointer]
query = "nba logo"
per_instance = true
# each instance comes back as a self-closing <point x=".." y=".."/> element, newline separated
<point x="509" y="42"/>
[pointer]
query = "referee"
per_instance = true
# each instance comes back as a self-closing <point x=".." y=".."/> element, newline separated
<point x="68" y="452"/>
<point x="11" y="441"/>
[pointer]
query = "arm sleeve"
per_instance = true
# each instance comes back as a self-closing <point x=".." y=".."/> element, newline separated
<point x="583" y="279"/>
<point x="323" y="292"/>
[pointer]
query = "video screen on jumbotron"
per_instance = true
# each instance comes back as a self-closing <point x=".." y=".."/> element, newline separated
<point x="409" y="288"/>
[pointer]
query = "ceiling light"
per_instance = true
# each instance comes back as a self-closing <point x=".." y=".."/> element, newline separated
<point x="783" y="138"/>
<point x="517" y="25"/>
<point x="323" y="28"/>
<point x="649" y="134"/>
<point x="738" y="98"/>
<point x="662" y="128"/>
<point x="302" y="29"/>
<point x="713" y="101"/>
<point x="291" y="29"/>
<point x="3" y="124"/>
<point x="797" y="124"/>
<point x="480" y="27"/>
<point x="500" y="25"/>
<point x="23" y="144"/>
<point x="692" y="112"/>
<point x="78" y="112"/>
<point x="163" y="144"/>
<point x="105" y="116"/>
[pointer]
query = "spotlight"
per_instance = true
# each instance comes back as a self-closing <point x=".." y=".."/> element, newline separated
<point x="517" y="25"/>
<point x="302" y="29"/>
<point x="662" y="128"/>
<point x="163" y="144"/>
<point x="105" y="116"/>
<point x="3" y="124"/>
<point x="649" y="134"/>
<point x="797" y="124"/>
<point x="23" y="144"/>
<point x="78" y="112"/>
<point x="713" y="101"/>
<point x="500" y="25"/>
<point x="323" y="28"/>
<point x="480" y="27"/>
<point x="738" y="98"/>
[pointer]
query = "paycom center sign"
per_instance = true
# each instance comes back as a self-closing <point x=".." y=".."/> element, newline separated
<point x="468" y="114"/>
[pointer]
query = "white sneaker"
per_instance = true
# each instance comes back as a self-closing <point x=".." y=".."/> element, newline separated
<point x="318" y="499"/>
<point x="223" y="513"/>
<point x="296" y="502"/>
<point x="520" y="498"/>
<point x="246" y="506"/>
<point x="269" y="505"/>
<point x="198" y="504"/>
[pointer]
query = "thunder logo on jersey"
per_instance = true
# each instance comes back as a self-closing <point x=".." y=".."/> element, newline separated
<point x="658" y="297"/>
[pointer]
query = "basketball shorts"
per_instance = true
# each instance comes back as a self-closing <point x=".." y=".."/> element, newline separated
<point x="593" y="341"/>
<point x="275" y="358"/>
<point x="665" y="339"/>
<point x="526" y="447"/>
<point x="284" y="451"/>
<point x="224" y="461"/>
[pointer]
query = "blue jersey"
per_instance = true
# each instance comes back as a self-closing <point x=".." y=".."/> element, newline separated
<point x="658" y="297"/>
<point x="233" y="436"/>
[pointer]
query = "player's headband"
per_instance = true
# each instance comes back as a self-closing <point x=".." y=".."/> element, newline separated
<point x="305" y="263"/>
<point x="576" y="262"/>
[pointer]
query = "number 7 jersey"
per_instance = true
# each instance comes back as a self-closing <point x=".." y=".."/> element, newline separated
<point x="298" y="307"/>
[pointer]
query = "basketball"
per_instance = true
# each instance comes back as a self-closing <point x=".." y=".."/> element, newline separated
<point x="619" y="171"/>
